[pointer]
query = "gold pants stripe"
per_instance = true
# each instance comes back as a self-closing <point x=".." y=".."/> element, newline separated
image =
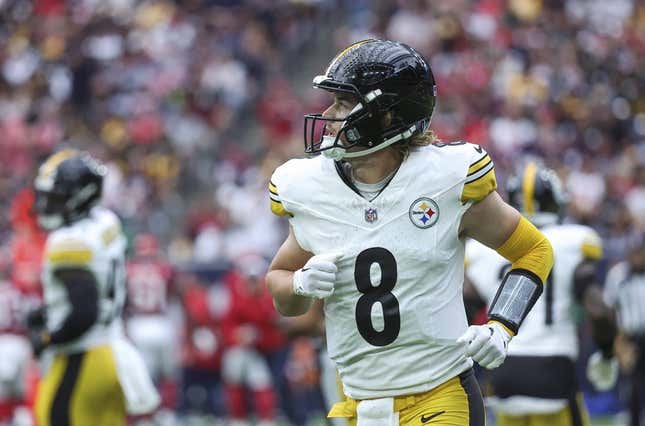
<point x="81" y="389"/>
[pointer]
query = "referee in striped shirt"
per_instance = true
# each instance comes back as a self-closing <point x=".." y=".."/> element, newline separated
<point x="625" y="293"/>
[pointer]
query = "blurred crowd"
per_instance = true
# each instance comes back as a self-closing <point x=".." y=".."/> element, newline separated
<point x="193" y="103"/>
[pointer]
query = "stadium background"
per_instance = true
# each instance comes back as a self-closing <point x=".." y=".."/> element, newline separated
<point x="192" y="104"/>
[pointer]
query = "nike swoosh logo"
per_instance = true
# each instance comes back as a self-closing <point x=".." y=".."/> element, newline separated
<point x="478" y="149"/>
<point x="425" y="419"/>
<point x="305" y="269"/>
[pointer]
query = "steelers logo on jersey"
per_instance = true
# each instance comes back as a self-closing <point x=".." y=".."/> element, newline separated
<point x="424" y="212"/>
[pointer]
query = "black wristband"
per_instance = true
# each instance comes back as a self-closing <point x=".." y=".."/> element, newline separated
<point x="515" y="297"/>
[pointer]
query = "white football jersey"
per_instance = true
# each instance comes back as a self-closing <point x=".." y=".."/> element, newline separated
<point x="397" y="308"/>
<point x="549" y="329"/>
<point x="97" y="244"/>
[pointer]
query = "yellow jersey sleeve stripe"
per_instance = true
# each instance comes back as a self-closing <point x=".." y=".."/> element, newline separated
<point x="477" y="165"/>
<point x="480" y="185"/>
<point x="592" y="248"/>
<point x="69" y="257"/>
<point x="480" y="172"/>
<point x="591" y="251"/>
<point x="273" y="192"/>
<point x="278" y="209"/>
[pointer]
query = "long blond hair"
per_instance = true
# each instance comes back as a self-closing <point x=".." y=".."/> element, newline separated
<point x="404" y="147"/>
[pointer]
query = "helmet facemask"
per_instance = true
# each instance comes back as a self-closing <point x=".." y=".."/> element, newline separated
<point x="364" y="126"/>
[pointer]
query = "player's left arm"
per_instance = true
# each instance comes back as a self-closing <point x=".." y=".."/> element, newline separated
<point x="82" y="293"/>
<point x="498" y="225"/>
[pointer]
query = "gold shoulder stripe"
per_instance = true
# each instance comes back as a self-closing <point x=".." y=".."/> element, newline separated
<point x="474" y="167"/>
<point x="481" y="172"/>
<point x="69" y="252"/>
<point x="69" y="257"/>
<point x="480" y="185"/>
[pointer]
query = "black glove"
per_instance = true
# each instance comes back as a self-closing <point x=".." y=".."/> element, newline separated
<point x="36" y="319"/>
<point x="39" y="341"/>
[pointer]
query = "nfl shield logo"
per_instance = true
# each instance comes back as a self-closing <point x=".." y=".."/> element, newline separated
<point x="371" y="215"/>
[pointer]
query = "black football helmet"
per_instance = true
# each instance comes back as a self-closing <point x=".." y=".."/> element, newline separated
<point x="538" y="194"/>
<point x="68" y="185"/>
<point x="384" y="77"/>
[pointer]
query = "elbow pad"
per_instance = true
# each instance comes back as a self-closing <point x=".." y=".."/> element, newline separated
<point x="515" y="297"/>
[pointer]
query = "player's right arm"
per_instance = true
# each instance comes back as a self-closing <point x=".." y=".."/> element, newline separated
<point x="296" y="275"/>
<point x="82" y="293"/>
<point x="289" y="258"/>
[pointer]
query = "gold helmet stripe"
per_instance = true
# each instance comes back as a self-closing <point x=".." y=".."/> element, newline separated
<point x="528" y="188"/>
<point x="49" y="167"/>
<point x="345" y="51"/>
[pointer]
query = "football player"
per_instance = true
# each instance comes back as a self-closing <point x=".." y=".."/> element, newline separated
<point x="96" y="376"/>
<point x="377" y="229"/>
<point x="545" y="352"/>
<point x="625" y="292"/>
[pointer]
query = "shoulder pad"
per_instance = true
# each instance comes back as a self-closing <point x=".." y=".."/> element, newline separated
<point x="479" y="174"/>
<point x="591" y="246"/>
<point x="286" y="183"/>
<point x="108" y="226"/>
<point x="65" y="248"/>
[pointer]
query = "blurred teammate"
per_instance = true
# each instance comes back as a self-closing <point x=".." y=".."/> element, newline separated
<point x="625" y="292"/>
<point x="148" y="320"/>
<point x="543" y="355"/>
<point x="95" y="376"/>
<point x="377" y="229"/>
